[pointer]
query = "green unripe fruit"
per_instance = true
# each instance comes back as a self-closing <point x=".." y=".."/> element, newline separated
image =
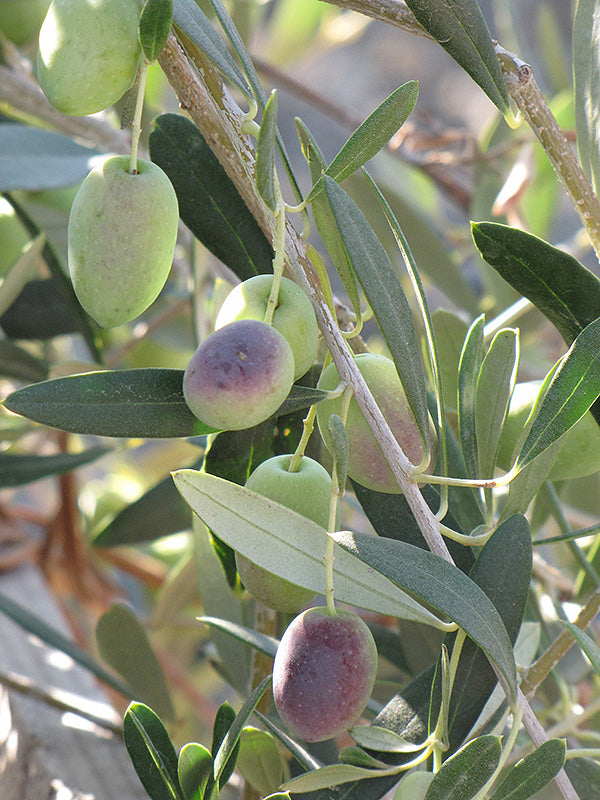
<point x="579" y="455"/>
<point x="323" y="673"/>
<point x="293" y="317"/>
<point x="121" y="239"/>
<point x="366" y="462"/>
<point x="305" y="491"/>
<point x="89" y="53"/>
<point x="239" y="376"/>
<point x="20" y="20"/>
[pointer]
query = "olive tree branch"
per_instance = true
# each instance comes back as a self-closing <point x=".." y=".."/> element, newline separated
<point x="203" y="95"/>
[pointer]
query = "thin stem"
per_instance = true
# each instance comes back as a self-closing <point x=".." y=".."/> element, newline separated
<point x="278" y="261"/>
<point x="136" y="124"/>
<point x="308" y="426"/>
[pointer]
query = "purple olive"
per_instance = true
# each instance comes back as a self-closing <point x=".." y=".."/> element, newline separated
<point x="239" y="375"/>
<point x="323" y="673"/>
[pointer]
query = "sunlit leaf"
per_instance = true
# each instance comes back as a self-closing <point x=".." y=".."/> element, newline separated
<point x="266" y="175"/>
<point x="151" y="752"/>
<point x="586" y="78"/>
<point x="259" y="760"/>
<point x="194" y="768"/>
<point x="155" y="24"/>
<point x="465" y="773"/>
<point x="533" y="773"/>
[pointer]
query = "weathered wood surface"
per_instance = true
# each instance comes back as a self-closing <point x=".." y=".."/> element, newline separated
<point x="45" y="753"/>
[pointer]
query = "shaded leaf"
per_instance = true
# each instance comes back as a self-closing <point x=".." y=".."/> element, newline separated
<point x="587" y="644"/>
<point x="259" y="641"/>
<point x="443" y="587"/>
<point x="124" y="645"/>
<point x="155" y="24"/>
<point x="450" y="331"/>
<point x="35" y="159"/>
<point x="465" y="773"/>
<point x="460" y="28"/>
<point x="193" y="22"/>
<point x="289" y="545"/>
<point x="586" y="80"/>
<point x="471" y="360"/>
<point x="36" y="625"/>
<point x="374" y="133"/>
<point x="334" y="775"/>
<point x="565" y="291"/>
<point x="40" y="312"/>
<point x="20" y="273"/>
<point x="194" y="767"/>
<point x="266" y="175"/>
<point x="494" y="389"/>
<point x="382" y="289"/>
<point x="574" y="387"/>
<point x="209" y="203"/>
<point x="310" y="150"/>
<point x="584" y="774"/>
<point x="16" y="362"/>
<point x="340" y="449"/>
<point x="17" y="469"/>
<point x="151" y="752"/>
<point x="533" y="772"/>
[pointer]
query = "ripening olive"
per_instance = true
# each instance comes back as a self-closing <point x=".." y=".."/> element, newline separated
<point x="366" y="463"/>
<point x="293" y="317"/>
<point x="323" y="673"/>
<point x="239" y="375"/>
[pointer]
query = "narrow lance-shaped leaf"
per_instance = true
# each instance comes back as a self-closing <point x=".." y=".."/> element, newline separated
<point x="17" y="469"/>
<point x="587" y="644"/>
<point x="193" y="22"/>
<point x="209" y="203"/>
<point x="443" y="587"/>
<point x="461" y="29"/>
<point x="469" y="368"/>
<point x="289" y="545"/>
<point x="310" y="150"/>
<point x="382" y="289"/>
<point x="155" y="24"/>
<point x="494" y="389"/>
<point x="573" y="389"/>
<point x="565" y="291"/>
<point x="20" y="273"/>
<point x="534" y="772"/>
<point x="466" y="772"/>
<point x="586" y="80"/>
<point x="340" y="449"/>
<point x="266" y="175"/>
<point x="151" y="752"/>
<point x="374" y="133"/>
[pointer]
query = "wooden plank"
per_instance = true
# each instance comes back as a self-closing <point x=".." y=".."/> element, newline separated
<point x="46" y="753"/>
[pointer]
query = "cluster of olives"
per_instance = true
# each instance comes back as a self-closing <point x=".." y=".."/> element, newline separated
<point x="123" y="222"/>
<point x="242" y="373"/>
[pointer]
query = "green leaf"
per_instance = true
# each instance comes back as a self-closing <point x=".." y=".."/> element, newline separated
<point x="289" y="545"/>
<point x="193" y="22"/>
<point x="135" y="403"/>
<point x="443" y="587"/>
<point x="334" y="775"/>
<point x="495" y="384"/>
<point x="124" y="645"/>
<point x="40" y="312"/>
<point x="151" y="752"/>
<point x="374" y="737"/>
<point x="563" y="289"/>
<point x="224" y="719"/>
<point x="230" y="741"/>
<point x="21" y="272"/>
<point x="463" y="774"/>
<point x="587" y="644"/>
<point x="209" y="203"/>
<point x="533" y="772"/>
<point x="194" y="768"/>
<point x="259" y="641"/>
<point x="374" y="133"/>
<point x="35" y="625"/>
<point x="155" y="24"/>
<point x="17" y="469"/>
<point x="471" y="360"/>
<point x="159" y="512"/>
<point x="584" y="774"/>
<point x="524" y="488"/>
<point x="574" y="387"/>
<point x="259" y="760"/>
<point x="266" y="174"/>
<point x="460" y="28"/>
<point x="450" y="331"/>
<point x="35" y="159"/>
<point x="16" y="362"/>
<point x="382" y="288"/>
<point x="586" y="79"/>
<point x="310" y="150"/>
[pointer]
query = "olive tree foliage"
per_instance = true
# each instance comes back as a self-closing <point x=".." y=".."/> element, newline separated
<point x="395" y="410"/>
